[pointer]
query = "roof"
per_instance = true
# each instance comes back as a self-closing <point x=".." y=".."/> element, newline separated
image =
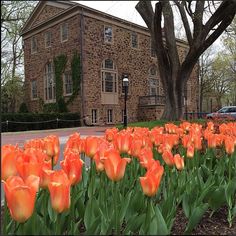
<point x="68" y="6"/>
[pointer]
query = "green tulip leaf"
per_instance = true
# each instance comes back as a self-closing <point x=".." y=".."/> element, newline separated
<point x="161" y="224"/>
<point x="195" y="217"/>
<point x="217" y="198"/>
<point x="52" y="214"/>
<point x="125" y="206"/>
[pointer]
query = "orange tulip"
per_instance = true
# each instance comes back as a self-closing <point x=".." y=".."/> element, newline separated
<point x="151" y="181"/>
<point x="197" y="142"/>
<point x="168" y="158"/>
<point x="135" y="147"/>
<point x="59" y="188"/>
<point x="73" y="143"/>
<point x="229" y="145"/>
<point x="99" y="155"/>
<point x="8" y="161"/>
<point x="145" y="157"/>
<point x="52" y="148"/>
<point x="91" y="146"/>
<point x="190" y="151"/>
<point x="110" y="133"/>
<point x="122" y="141"/>
<point x="179" y="162"/>
<point x="30" y="162"/>
<point x="20" y="196"/>
<point x="34" y="143"/>
<point x="45" y="177"/>
<point x="115" y="165"/>
<point x="72" y="165"/>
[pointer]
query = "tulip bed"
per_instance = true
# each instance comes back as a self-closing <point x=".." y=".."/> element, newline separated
<point x="137" y="180"/>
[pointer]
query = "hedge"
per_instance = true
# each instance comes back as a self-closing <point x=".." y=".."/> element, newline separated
<point x="38" y="121"/>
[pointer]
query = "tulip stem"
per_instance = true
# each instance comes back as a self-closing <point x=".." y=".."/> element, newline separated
<point x="115" y="196"/>
<point x="52" y="162"/>
<point x="5" y="222"/>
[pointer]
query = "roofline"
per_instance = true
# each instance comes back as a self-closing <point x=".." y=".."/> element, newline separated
<point x="89" y="9"/>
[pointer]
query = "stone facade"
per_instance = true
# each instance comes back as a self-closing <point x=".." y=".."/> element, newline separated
<point x="86" y="35"/>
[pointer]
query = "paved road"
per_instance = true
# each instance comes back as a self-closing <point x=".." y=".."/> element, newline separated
<point x="63" y="134"/>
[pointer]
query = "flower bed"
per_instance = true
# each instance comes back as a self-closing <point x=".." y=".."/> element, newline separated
<point x="138" y="181"/>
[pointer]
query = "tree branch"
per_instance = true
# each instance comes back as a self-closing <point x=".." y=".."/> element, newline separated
<point x="170" y="36"/>
<point x="185" y="21"/>
<point x="197" y="20"/>
<point x="145" y="9"/>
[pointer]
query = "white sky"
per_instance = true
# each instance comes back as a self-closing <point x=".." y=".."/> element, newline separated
<point x="126" y="10"/>
<point x="122" y="9"/>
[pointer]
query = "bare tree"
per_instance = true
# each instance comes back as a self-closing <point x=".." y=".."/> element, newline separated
<point x="173" y="73"/>
<point x="13" y="16"/>
<point x="205" y="80"/>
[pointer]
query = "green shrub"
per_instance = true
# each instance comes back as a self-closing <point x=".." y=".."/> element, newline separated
<point x="39" y="121"/>
<point x="23" y="108"/>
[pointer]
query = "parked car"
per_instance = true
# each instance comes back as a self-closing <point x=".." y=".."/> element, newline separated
<point x="228" y="112"/>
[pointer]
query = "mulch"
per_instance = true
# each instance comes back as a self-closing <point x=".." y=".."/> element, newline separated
<point x="216" y="225"/>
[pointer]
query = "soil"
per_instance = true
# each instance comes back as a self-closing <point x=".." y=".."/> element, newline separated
<point x="216" y="225"/>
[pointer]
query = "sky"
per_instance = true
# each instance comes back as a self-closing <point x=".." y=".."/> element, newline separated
<point x="122" y="9"/>
<point x="126" y="10"/>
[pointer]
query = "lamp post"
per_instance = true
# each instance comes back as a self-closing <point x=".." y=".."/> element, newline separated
<point x="125" y="85"/>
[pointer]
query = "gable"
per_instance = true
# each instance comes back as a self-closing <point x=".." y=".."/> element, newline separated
<point x="44" y="11"/>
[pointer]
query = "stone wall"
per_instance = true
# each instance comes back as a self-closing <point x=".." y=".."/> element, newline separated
<point x="35" y="63"/>
<point x="133" y="61"/>
<point x="47" y="13"/>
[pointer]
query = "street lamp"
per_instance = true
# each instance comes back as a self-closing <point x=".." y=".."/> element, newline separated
<point x="125" y="85"/>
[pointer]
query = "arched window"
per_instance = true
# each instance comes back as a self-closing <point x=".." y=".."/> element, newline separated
<point x="154" y="82"/>
<point x="109" y="77"/>
<point x="49" y="83"/>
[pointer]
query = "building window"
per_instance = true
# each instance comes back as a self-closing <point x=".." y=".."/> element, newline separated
<point x="34" y="48"/>
<point x="109" y="77"/>
<point x="34" y="92"/>
<point x="48" y="39"/>
<point x="123" y="115"/>
<point x="64" y="32"/>
<point x="154" y="83"/>
<point x="153" y="53"/>
<point x="50" y="89"/>
<point x="134" y="40"/>
<point x="109" y="116"/>
<point x="108" y="35"/>
<point x="68" y="86"/>
<point x="94" y="116"/>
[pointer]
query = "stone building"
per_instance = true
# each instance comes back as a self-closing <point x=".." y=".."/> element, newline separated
<point x="109" y="48"/>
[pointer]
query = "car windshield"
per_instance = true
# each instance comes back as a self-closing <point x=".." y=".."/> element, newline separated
<point x="222" y="110"/>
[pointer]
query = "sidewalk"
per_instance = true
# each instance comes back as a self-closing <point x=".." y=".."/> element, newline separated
<point x="21" y="136"/>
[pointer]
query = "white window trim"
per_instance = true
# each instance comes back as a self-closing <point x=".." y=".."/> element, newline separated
<point x="94" y="123"/>
<point x="45" y="39"/>
<point x="61" y="27"/>
<point x="31" y="85"/>
<point x="112" y="34"/>
<point x="64" y="84"/>
<point x="115" y="78"/>
<point x="53" y="99"/>
<point x="154" y="77"/>
<point x="36" y="50"/>
<point x="112" y="114"/>
<point x="123" y="113"/>
<point x="132" y="33"/>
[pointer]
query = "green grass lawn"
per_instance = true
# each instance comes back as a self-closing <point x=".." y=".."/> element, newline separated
<point x="151" y="124"/>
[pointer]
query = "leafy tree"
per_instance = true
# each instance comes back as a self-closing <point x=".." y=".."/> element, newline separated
<point x="202" y="28"/>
